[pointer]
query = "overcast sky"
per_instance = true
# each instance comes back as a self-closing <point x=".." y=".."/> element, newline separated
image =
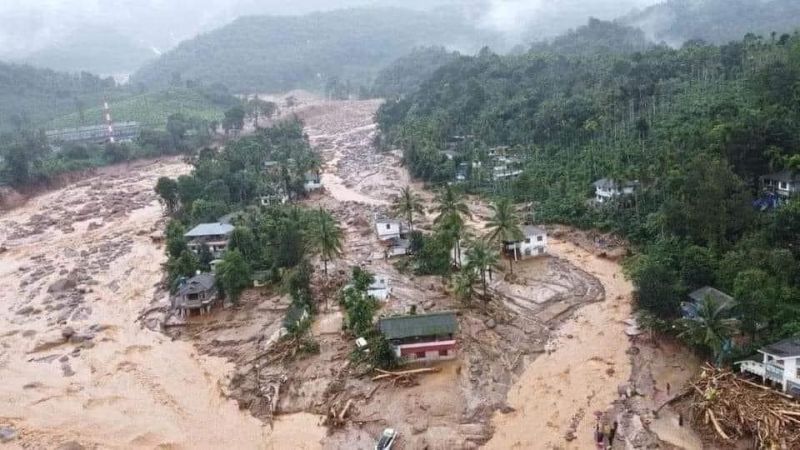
<point x="31" y="24"/>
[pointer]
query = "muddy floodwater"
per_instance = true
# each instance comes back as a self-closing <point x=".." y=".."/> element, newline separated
<point x="81" y="264"/>
<point x="79" y="267"/>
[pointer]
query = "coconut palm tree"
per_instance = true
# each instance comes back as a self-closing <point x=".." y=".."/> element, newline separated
<point x="713" y="326"/>
<point x="504" y="226"/>
<point x="325" y="237"/>
<point x="450" y="203"/>
<point x="407" y="204"/>
<point x="451" y="209"/>
<point x="482" y="257"/>
<point x="464" y="283"/>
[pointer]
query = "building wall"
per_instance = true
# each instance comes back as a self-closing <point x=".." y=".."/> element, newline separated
<point x="387" y="230"/>
<point x="427" y="352"/>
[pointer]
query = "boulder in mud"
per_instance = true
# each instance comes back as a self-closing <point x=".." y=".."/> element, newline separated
<point x="7" y="434"/>
<point x="61" y="285"/>
<point x="67" y="332"/>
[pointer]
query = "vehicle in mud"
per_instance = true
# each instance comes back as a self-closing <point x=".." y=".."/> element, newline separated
<point x="386" y="440"/>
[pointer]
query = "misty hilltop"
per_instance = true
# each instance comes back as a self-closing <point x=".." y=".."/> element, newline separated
<point x="716" y="21"/>
<point x="274" y="53"/>
<point x="100" y="50"/>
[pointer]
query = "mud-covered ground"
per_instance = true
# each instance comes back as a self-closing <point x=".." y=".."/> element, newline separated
<point x="498" y="341"/>
<point x="77" y="365"/>
<point x="78" y="266"/>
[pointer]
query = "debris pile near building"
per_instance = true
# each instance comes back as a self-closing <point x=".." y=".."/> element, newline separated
<point x="732" y="408"/>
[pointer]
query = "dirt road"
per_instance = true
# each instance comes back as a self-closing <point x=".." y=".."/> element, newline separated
<point x="79" y="268"/>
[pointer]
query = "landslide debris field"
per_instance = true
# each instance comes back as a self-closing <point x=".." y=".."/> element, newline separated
<point x="81" y="270"/>
<point x="449" y="409"/>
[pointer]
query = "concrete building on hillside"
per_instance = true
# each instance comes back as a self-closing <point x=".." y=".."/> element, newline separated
<point x="215" y="236"/>
<point x="607" y="189"/>
<point x="388" y="229"/>
<point x="777" y="364"/>
<point x="533" y="243"/>
<point x="313" y="182"/>
<point x="785" y="183"/>
<point x="380" y="289"/>
<point x="198" y="293"/>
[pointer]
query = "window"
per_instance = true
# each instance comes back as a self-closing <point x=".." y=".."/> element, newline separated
<point x="782" y="185"/>
<point x="420" y="355"/>
<point x="528" y="241"/>
<point x="539" y="238"/>
<point x="388" y="226"/>
<point x="444" y="353"/>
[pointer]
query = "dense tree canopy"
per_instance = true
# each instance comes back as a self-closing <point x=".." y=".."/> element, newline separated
<point x="695" y="127"/>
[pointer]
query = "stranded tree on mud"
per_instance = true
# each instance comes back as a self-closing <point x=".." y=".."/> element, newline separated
<point x="504" y="226"/>
<point x="451" y="209"/>
<point x="325" y="237"/>
<point x="407" y="204"/>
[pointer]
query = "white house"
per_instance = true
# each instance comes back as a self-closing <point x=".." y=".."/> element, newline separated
<point x="606" y="189"/>
<point x="274" y="199"/>
<point x="313" y="182"/>
<point x="389" y="229"/>
<point x="534" y="243"/>
<point x="785" y="183"/>
<point x="777" y="363"/>
<point x="380" y="289"/>
<point x="215" y="236"/>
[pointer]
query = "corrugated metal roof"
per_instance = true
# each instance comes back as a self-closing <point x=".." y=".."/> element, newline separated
<point x="700" y="295"/>
<point x="531" y="230"/>
<point x="197" y="284"/>
<point x="440" y="323"/>
<point x="786" y="176"/>
<point x="210" y="229"/>
<point x="785" y="348"/>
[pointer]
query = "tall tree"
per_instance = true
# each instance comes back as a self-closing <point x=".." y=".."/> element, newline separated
<point x="712" y="328"/>
<point x="407" y="204"/>
<point x="234" y="275"/>
<point x="482" y="257"/>
<point x="504" y="226"/>
<point x="451" y="209"/>
<point x="167" y="190"/>
<point x="257" y="108"/>
<point x="325" y="237"/>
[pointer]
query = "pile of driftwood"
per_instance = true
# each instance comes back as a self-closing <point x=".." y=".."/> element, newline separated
<point x="735" y="408"/>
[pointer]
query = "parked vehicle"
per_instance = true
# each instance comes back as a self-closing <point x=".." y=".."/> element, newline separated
<point x="386" y="440"/>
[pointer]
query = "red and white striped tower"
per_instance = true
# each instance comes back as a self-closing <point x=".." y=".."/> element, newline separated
<point x="109" y="122"/>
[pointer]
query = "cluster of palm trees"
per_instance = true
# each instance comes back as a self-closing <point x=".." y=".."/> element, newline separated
<point x="452" y="212"/>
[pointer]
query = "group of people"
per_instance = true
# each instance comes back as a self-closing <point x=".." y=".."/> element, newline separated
<point x="604" y="434"/>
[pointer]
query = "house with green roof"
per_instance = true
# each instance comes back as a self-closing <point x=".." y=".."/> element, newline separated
<point x="421" y="337"/>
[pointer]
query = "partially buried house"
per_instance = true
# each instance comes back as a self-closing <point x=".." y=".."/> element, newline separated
<point x="533" y="243"/>
<point x="215" y="236"/>
<point x="423" y="337"/>
<point x="198" y="293"/>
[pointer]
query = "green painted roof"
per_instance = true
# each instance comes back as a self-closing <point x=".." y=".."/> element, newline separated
<point x="418" y="325"/>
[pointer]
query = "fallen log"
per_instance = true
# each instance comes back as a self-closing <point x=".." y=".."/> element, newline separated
<point x="345" y="409"/>
<point x="384" y="374"/>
